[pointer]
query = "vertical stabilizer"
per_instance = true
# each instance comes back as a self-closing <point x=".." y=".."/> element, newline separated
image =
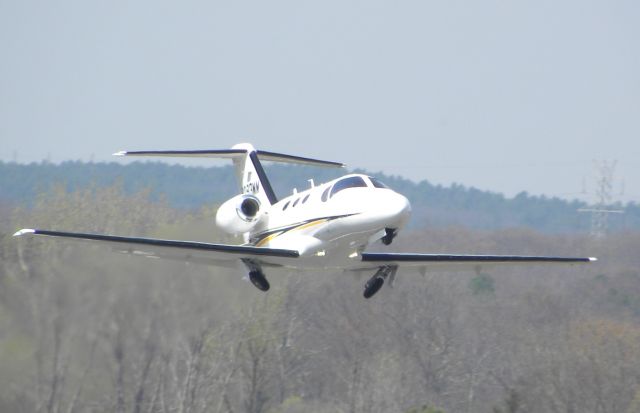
<point x="251" y="176"/>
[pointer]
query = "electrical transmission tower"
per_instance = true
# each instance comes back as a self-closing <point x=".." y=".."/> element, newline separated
<point x="603" y="198"/>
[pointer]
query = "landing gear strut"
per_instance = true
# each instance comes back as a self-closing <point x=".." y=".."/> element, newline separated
<point x="256" y="276"/>
<point x="375" y="283"/>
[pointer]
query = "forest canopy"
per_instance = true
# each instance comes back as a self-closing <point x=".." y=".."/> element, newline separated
<point x="434" y="206"/>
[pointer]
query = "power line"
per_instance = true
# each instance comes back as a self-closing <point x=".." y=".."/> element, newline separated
<point x="601" y="210"/>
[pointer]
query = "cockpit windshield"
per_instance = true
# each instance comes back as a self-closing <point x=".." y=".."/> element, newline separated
<point x="350" y="182"/>
<point x="376" y="183"/>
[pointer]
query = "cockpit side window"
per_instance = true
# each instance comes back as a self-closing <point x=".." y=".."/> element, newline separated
<point x="350" y="182"/>
<point x="377" y="183"/>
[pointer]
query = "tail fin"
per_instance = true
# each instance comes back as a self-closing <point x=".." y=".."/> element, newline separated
<point x="249" y="171"/>
<point x="251" y="176"/>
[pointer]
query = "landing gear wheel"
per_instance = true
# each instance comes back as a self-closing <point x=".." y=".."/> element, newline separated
<point x="373" y="286"/>
<point x="377" y="281"/>
<point x="258" y="279"/>
<point x="390" y="234"/>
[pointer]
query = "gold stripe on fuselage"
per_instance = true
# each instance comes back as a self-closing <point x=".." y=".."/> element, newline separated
<point x="267" y="239"/>
<point x="310" y="224"/>
<point x="299" y="227"/>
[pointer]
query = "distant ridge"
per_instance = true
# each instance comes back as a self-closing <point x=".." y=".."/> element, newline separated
<point x="193" y="187"/>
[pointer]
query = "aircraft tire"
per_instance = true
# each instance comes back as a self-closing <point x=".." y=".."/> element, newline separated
<point x="373" y="286"/>
<point x="258" y="279"/>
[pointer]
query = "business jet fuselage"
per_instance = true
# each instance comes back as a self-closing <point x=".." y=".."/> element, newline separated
<point x="335" y="220"/>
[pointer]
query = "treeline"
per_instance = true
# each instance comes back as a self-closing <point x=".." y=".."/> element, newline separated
<point x="434" y="206"/>
<point x="84" y="329"/>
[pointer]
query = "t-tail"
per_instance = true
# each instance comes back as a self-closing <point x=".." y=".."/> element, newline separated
<point x="255" y="190"/>
<point x="250" y="174"/>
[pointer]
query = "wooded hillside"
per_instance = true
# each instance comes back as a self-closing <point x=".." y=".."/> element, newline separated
<point x="83" y="329"/>
<point x="192" y="188"/>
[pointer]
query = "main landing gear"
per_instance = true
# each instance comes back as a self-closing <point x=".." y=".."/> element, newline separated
<point x="258" y="279"/>
<point x="256" y="276"/>
<point x="375" y="283"/>
<point x="372" y="286"/>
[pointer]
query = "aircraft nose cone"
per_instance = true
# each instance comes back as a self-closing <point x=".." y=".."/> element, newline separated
<point x="403" y="207"/>
<point x="395" y="209"/>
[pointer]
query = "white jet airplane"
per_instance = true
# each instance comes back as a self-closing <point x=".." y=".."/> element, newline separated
<point x="328" y="226"/>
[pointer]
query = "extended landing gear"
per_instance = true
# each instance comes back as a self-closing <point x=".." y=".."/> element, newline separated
<point x="377" y="281"/>
<point x="256" y="276"/>
<point x="258" y="279"/>
<point x="389" y="235"/>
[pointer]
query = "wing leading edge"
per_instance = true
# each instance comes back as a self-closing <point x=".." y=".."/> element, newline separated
<point x="463" y="262"/>
<point x="199" y="252"/>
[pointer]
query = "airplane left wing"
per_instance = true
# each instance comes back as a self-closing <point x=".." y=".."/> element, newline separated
<point x="389" y="263"/>
<point x="453" y="262"/>
<point x="190" y="251"/>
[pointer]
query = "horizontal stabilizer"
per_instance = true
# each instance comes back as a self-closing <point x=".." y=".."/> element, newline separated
<point x="280" y="157"/>
<point x="221" y="153"/>
<point x="234" y="153"/>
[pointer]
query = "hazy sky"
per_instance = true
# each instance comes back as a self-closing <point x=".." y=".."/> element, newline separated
<point x="506" y="95"/>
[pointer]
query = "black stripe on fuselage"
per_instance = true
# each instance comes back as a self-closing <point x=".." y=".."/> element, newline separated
<point x="264" y="181"/>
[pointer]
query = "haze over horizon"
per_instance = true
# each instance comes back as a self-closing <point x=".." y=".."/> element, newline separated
<point x="506" y="97"/>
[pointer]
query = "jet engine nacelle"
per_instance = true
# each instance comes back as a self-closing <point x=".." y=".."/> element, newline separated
<point x="239" y="214"/>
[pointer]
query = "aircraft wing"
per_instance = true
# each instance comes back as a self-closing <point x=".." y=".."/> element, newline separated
<point x="452" y="262"/>
<point x="189" y="251"/>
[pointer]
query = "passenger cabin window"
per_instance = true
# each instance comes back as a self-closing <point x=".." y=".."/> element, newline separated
<point x="295" y="202"/>
<point x="350" y="182"/>
<point x="286" y="205"/>
<point x="306" y="198"/>
<point x="377" y="183"/>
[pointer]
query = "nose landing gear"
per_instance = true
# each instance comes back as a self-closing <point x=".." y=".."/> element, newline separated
<point x="258" y="279"/>
<point x="375" y="283"/>
<point x="389" y="235"/>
